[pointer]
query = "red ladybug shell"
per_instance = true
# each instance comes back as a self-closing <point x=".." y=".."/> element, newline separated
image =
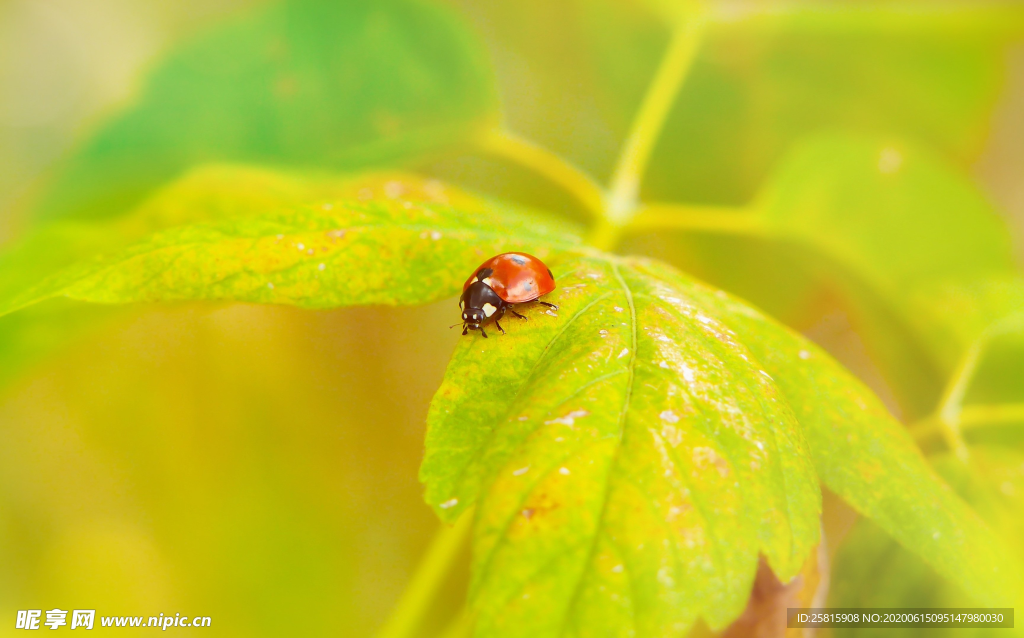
<point x="515" y="277"/>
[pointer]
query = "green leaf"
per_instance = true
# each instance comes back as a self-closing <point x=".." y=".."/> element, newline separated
<point x="205" y="194"/>
<point x="693" y="430"/>
<point x="631" y="458"/>
<point x="872" y="571"/>
<point x="993" y="483"/>
<point x="862" y="454"/>
<point x="301" y="82"/>
<point x="893" y="226"/>
<point x="619" y="484"/>
<point x="988" y="313"/>
<point x="952" y="313"/>
<point x="279" y="238"/>
<point x="892" y="214"/>
<point x="31" y="335"/>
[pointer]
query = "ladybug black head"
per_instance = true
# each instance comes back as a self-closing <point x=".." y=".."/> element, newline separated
<point x="479" y="303"/>
<point x="473" y="317"/>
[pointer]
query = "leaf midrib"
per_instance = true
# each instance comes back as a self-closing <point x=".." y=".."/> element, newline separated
<point x="631" y="368"/>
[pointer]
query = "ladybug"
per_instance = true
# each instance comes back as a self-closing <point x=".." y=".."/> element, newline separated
<point x="500" y="283"/>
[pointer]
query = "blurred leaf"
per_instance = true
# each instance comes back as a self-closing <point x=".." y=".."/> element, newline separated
<point x="766" y="76"/>
<point x="872" y="571"/>
<point x="395" y="241"/>
<point x="302" y="82"/>
<point x="952" y="313"/>
<point x="29" y="336"/>
<point x="892" y="224"/>
<point x="993" y="483"/>
<point x="564" y="435"/>
<point x="893" y="215"/>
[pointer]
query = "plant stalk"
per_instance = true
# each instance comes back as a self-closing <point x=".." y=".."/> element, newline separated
<point x="434" y="567"/>
<point x="550" y="165"/>
<point x="624" y="190"/>
<point x="696" y="218"/>
<point x="972" y="417"/>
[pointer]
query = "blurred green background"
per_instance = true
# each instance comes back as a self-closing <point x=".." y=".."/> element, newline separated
<point x="258" y="464"/>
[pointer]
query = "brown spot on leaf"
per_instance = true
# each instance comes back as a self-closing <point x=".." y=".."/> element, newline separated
<point x="765" y="615"/>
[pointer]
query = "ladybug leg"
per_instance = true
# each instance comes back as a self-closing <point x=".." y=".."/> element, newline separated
<point x="482" y="332"/>
<point x="498" y="316"/>
<point x="465" y="330"/>
<point x="517" y="314"/>
<point x="549" y="305"/>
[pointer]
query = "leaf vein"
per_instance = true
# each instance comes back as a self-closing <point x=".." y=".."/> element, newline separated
<point x="577" y="588"/>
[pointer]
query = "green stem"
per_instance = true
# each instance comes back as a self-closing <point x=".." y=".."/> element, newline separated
<point x="550" y="165"/>
<point x="712" y="219"/>
<point x="675" y="66"/>
<point x="951" y="403"/>
<point x="604" y="235"/>
<point x="614" y="210"/>
<point x="971" y="417"/>
<point x="949" y="415"/>
<point x="434" y="567"/>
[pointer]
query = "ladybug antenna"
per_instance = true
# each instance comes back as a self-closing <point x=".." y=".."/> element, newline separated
<point x="455" y="324"/>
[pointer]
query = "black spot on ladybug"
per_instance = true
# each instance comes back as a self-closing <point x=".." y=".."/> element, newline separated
<point x="484" y="273"/>
<point x="549" y="274"/>
<point x="518" y="260"/>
